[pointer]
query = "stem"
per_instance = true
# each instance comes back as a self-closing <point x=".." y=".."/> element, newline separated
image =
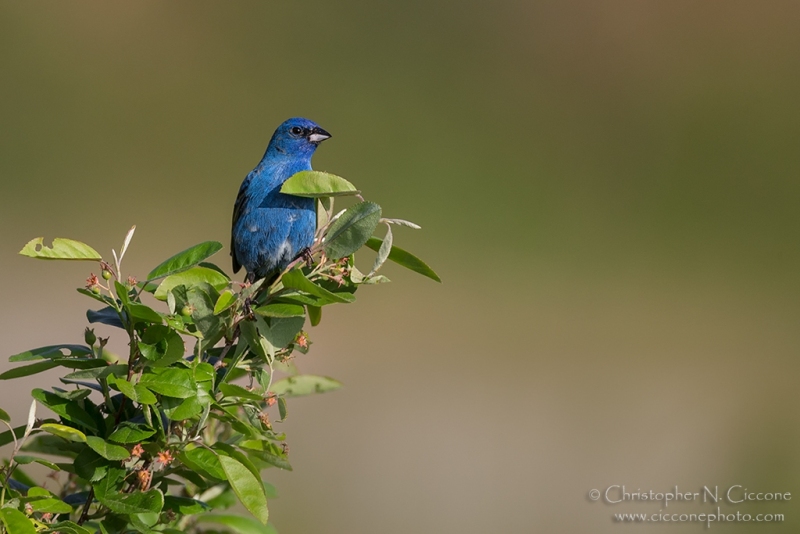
<point x="106" y="396"/>
<point x="237" y="357"/>
<point x="13" y="434"/>
<point x="228" y="346"/>
<point x="85" y="513"/>
<point x="12" y="465"/>
<point x="271" y="373"/>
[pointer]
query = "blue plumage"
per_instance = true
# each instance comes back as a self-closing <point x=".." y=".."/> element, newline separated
<point x="270" y="229"/>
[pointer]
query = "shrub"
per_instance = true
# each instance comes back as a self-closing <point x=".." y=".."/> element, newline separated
<point x="180" y="428"/>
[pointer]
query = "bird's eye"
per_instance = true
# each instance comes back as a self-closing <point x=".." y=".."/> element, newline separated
<point x="296" y="130"/>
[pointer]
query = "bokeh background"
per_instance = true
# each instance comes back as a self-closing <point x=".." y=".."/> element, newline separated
<point x="608" y="189"/>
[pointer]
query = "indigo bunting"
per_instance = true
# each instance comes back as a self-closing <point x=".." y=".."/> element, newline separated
<point x="271" y="229"/>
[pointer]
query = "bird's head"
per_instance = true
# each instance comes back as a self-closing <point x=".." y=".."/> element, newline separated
<point x="297" y="137"/>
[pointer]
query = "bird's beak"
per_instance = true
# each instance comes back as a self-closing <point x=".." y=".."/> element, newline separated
<point x="318" y="135"/>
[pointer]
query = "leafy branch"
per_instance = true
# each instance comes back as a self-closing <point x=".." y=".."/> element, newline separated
<point x="181" y="428"/>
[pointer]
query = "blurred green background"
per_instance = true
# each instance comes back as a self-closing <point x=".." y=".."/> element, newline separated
<point x="608" y="189"/>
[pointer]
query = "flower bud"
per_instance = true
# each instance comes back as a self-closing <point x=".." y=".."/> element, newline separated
<point x="89" y="337"/>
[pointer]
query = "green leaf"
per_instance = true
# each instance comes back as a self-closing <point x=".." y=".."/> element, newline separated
<point x="62" y="249"/>
<point x="73" y="394"/>
<point x="183" y="260"/>
<point x="98" y="372"/>
<point x="137" y="393"/>
<point x="49" y="444"/>
<point x="226" y="299"/>
<point x="233" y="390"/>
<point x="27" y="370"/>
<point x="25" y="459"/>
<point x="4" y="416"/>
<point x="253" y="339"/>
<point x="16" y="522"/>
<point x="80" y="363"/>
<point x="90" y="466"/>
<point x="266" y="452"/>
<point x="180" y="410"/>
<point x="105" y="299"/>
<point x="107" y="315"/>
<point x="204" y="372"/>
<point x="281" y="309"/>
<point x="280" y="332"/>
<point x="323" y="207"/>
<point x="295" y="279"/>
<point x="314" y="314"/>
<point x="184" y="506"/>
<point x="383" y="251"/>
<point x="202" y="299"/>
<point x="295" y="386"/>
<point x="297" y="297"/>
<point x="237" y="524"/>
<point x="204" y="462"/>
<point x="404" y="258"/>
<point x="37" y="491"/>
<point x="144" y="522"/>
<point x="63" y="431"/>
<point x="282" y="410"/>
<point x="171" y="382"/>
<point x="315" y="184"/>
<point x="123" y="293"/>
<point x="51" y="351"/>
<point x="50" y="505"/>
<point x="107" y="450"/>
<point x="131" y="433"/>
<point x="349" y="232"/>
<point x="144" y="395"/>
<point x="69" y="410"/>
<point x="247" y="487"/>
<point x="132" y="503"/>
<point x="111" y="482"/>
<point x="140" y="312"/>
<point x="191" y="277"/>
<point x="223" y="448"/>
<point x="162" y="346"/>
<point x="67" y="527"/>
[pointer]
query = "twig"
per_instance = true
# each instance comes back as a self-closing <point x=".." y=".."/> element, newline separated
<point x="85" y="513"/>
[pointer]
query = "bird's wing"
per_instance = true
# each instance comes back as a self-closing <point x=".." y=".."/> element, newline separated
<point x="238" y="208"/>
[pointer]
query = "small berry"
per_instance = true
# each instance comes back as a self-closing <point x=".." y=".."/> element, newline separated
<point x="186" y="311"/>
<point x="106" y="274"/>
<point x="96" y="290"/>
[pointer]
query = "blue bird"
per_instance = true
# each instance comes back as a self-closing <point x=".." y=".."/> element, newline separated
<point x="270" y="229"/>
